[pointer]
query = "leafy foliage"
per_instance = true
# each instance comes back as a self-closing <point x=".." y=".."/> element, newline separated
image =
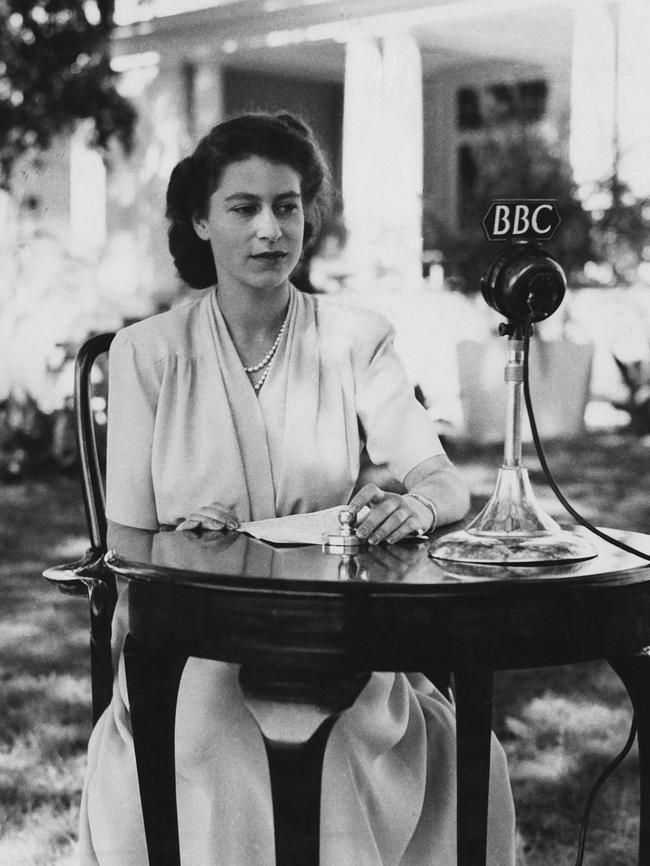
<point x="515" y="162"/>
<point x="636" y="376"/>
<point x="621" y="232"/>
<point x="54" y="70"/>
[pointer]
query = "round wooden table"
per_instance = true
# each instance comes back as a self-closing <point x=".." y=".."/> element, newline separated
<point x="312" y="625"/>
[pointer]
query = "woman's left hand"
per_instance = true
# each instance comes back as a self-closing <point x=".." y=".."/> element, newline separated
<point x="391" y="516"/>
<point x="215" y="517"/>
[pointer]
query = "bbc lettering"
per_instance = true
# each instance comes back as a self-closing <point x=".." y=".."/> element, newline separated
<point x="522" y="220"/>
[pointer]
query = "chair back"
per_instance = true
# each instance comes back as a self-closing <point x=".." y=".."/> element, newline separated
<point x="99" y="581"/>
<point x="91" y="476"/>
<point x="90" y="576"/>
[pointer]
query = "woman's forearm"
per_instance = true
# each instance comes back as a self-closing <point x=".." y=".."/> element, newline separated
<point x="438" y="480"/>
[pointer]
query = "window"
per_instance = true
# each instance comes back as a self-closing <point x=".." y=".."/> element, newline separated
<point x="467" y="179"/>
<point x="477" y="107"/>
<point x="486" y="115"/>
<point x="532" y="97"/>
<point x="468" y="109"/>
<point x="502" y="102"/>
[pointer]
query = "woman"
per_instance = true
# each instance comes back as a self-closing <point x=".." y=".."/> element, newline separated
<point x="252" y="402"/>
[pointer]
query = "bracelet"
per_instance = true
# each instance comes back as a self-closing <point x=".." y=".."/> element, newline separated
<point x="428" y="504"/>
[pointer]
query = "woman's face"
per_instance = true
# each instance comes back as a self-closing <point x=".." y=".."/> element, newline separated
<point x="255" y="225"/>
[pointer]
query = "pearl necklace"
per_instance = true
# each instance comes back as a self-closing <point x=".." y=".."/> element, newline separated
<point x="262" y="379"/>
<point x="269" y="355"/>
<point x="265" y="363"/>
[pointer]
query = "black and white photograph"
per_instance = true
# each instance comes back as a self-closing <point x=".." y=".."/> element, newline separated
<point x="324" y="432"/>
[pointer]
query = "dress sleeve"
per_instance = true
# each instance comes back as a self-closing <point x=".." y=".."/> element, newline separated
<point x="397" y="429"/>
<point x="132" y="400"/>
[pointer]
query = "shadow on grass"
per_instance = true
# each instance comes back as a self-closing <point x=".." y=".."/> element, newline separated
<point x="605" y="476"/>
<point x="45" y="714"/>
<point x="560" y="726"/>
<point x="46" y="633"/>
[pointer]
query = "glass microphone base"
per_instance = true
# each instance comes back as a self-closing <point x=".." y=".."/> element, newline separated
<point x="512" y="529"/>
<point x="553" y="548"/>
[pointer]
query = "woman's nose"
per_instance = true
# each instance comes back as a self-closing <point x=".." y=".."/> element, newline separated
<point x="268" y="227"/>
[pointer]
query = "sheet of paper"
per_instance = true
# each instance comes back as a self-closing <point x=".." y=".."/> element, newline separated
<point x="296" y="528"/>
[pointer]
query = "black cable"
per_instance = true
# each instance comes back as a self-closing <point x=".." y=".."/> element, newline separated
<point x="582" y="838"/>
<point x="597" y="786"/>
<point x="547" y="472"/>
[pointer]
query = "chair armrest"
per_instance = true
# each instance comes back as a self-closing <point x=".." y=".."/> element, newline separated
<point x="77" y="578"/>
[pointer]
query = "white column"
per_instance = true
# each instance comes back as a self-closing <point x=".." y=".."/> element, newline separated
<point x="208" y="97"/>
<point x="87" y="192"/>
<point x="382" y="162"/>
<point x="593" y="77"/>
<point x="634" y="95"/>
<point x="403" y="149"/>
<point x="362" y="147"/>
<point x="137" y="260"/>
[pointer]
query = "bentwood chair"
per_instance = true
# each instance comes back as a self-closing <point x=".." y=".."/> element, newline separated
<point x="90" y="576"/>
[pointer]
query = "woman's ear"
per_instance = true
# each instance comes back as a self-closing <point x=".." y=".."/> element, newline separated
<point x="201" y="228"/>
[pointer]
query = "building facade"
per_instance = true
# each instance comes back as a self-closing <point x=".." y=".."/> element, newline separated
<point x="401" y="93"/>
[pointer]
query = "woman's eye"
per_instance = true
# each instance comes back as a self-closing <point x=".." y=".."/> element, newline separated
<point x="288" y="208"/>
<point x="245" y="209"/>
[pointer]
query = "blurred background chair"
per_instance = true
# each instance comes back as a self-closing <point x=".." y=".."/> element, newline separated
<point x="90" y="576"/>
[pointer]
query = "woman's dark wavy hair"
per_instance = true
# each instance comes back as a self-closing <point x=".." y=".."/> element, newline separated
<point x="280" y="138"/>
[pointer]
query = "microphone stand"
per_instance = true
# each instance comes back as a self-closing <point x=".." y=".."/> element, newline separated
<point x="512" y="528"/>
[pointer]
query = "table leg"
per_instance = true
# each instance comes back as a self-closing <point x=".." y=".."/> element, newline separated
<point x="634" y="671"/>
<point x="152" y="683"/>
<point x="296" y="774"/>
<point x="101" y="599"/>
<point x="295" y="752"/>
<point x="473" y="691"/>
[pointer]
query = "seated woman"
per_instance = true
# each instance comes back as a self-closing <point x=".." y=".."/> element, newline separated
<point x="257" y="401"/>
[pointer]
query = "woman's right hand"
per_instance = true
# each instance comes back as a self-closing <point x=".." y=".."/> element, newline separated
<point x="215" y="516"/>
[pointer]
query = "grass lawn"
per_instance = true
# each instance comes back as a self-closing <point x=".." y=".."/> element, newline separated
<point x="560" y="726"/>
<point x="45" y="706"/>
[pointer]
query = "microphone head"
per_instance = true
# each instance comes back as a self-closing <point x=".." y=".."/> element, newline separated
<point x="525" y="283"/>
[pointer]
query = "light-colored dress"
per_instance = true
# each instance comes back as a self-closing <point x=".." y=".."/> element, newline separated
<point x="187" y="429"/>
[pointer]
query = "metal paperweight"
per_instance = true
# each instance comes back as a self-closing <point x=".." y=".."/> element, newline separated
<point x="346" y="540"/>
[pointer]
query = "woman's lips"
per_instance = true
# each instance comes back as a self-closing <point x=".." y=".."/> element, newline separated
<point x="270" y="260"/>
